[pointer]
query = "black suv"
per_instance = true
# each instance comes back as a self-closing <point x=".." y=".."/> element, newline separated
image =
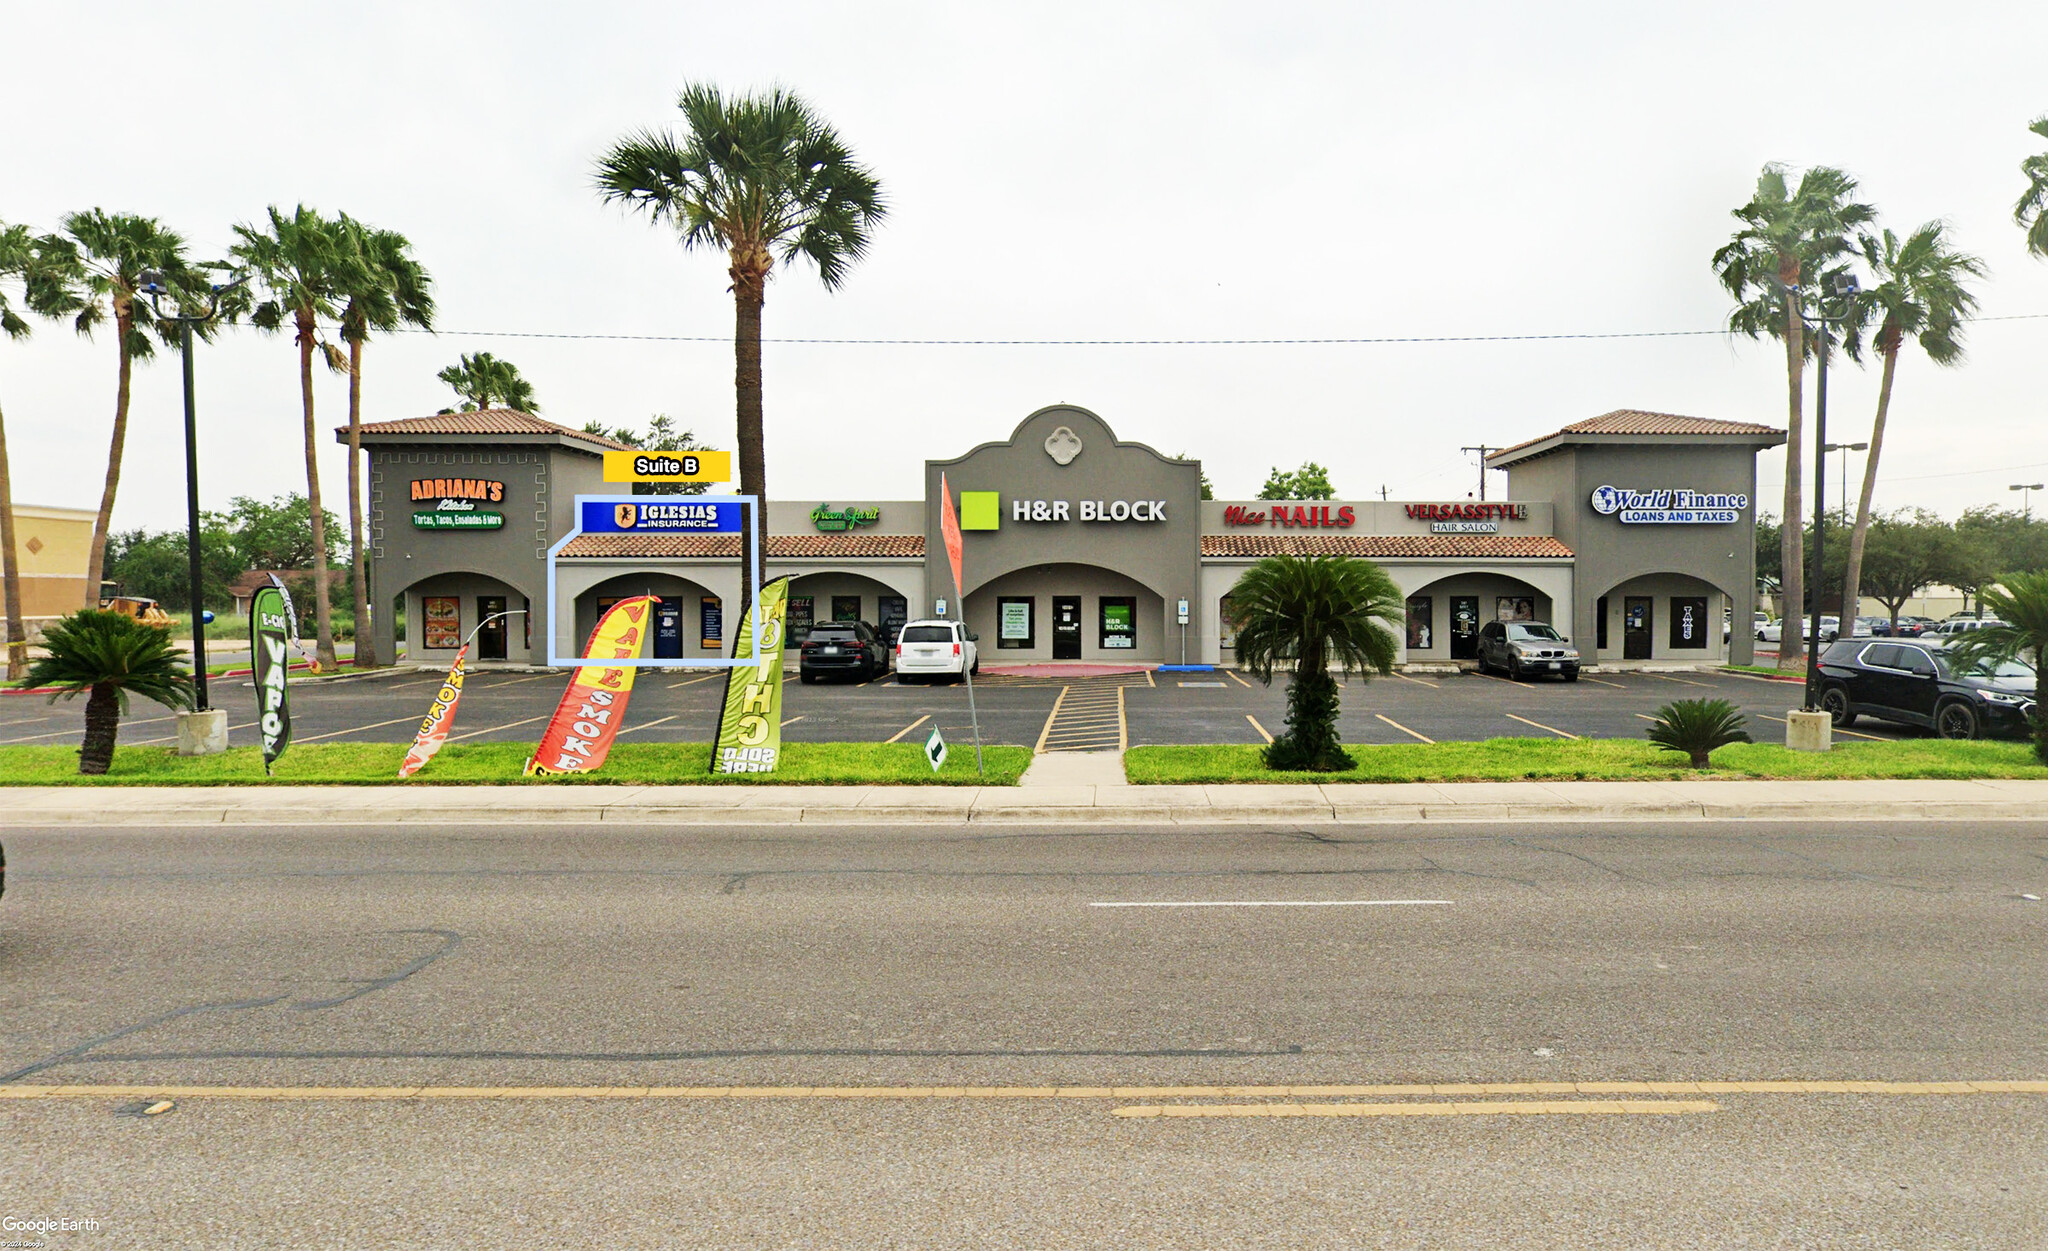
<point x="851" y="648"/>
<point x="1523" y="649"/>
<point x="1918" y="684"/>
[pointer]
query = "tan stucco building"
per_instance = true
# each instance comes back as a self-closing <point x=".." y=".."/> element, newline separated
<point x="53" y="547"/>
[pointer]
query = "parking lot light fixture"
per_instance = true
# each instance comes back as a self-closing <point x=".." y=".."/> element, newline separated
<point x="2027" y="499"/>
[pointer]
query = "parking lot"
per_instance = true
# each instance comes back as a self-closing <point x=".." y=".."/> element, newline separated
<point x="1045" y="712"/>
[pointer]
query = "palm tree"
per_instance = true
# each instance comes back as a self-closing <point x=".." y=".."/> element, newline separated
<point x="1314" y="611"/>
<point x="109" y="654"/>
<point x="1920" y="292"/>
<point x="389" y="290"/>
<point x="302" y="264"/>
<point x="17" y="251"/>
<point x="1787" y="235"/>
<point x="484" y="381"/>
<point x="113" y="252"/>
<point x="2031" y="212"/>
<point x="759" y="178"/>
<point x="2020" y="602"/>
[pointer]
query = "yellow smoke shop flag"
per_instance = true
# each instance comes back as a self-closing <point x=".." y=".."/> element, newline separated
<point x="750" y="725"/>
<point x="440" y="718"/>
<point x="580" y="736"/>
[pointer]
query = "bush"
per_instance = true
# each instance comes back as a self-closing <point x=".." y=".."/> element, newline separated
<point x="1695" y="727"/>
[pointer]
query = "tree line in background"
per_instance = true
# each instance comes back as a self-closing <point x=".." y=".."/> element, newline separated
<point x="1910" y="550"/>
<point x="252" y="534"/>
<point x="1788" y="268"/>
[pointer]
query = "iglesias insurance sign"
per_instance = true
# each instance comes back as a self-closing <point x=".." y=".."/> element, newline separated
<point x="1668" y="507"/>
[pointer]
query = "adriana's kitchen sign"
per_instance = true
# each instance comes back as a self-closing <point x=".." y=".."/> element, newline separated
<point x="452" y="504"/>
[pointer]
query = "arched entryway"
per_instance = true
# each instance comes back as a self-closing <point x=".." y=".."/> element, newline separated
<point x="439" y="612"/>
<point x="689" y="623"/>
<point x="1671" y="618"/>
<point x="1068" y="612"/>
<point x="1443" y="616"/>
<point x="843" y="595"/>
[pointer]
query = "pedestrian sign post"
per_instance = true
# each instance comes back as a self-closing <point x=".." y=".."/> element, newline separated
<point x="935" y="750"/>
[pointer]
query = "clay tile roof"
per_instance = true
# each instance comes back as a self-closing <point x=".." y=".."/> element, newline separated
<point x="1635" y="421"/>
<point x="780" y="546"/>
<point x="484" y="421"/>
<point x="1377" y="546"/>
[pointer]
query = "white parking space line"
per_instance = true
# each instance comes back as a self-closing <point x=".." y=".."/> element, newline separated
<point x="1240" y="681"/>
<point x="648" y="725"/>
<point x="172" y="738"/>
<point x="491" y="729"/>
<point x="907" y="729"/>
<point x="1539" y="725"/>
<point x="1275" y="903"/>
<point x="354" y="729"/>
<point x="1404" y="729"/>
<point x="30" y="738"/>
<point x="1417" y="681"/>
<point x="1264" y="733"/>
<point x="1665" y="677"/>
<point x="28" y="720"/>
<point x="692" y="681"/>
<point x="1583" y="677"/>
<point x="793" y="720"/>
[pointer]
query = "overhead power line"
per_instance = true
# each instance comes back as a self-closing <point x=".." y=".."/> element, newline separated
<point x="1296" y="342"/>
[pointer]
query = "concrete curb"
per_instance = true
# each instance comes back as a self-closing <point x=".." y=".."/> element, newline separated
<point x="1127" y="806"/>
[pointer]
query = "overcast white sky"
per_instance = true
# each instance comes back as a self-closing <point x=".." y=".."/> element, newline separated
<point x="1060" y="171"/>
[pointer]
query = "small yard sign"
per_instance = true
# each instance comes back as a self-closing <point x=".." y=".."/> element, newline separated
<point x="935" y="750"/>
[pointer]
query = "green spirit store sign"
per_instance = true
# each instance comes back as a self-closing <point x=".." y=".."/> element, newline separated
<point x="451" y="504"/>
<point x="830" y="519"/>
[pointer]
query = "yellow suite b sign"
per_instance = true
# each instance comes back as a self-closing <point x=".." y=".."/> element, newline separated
<point x="693" y="466"/>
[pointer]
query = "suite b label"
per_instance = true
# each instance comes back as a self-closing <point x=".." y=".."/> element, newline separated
<point x="693" y="466"/>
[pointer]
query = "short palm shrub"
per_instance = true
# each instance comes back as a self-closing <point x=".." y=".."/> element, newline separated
<point x="109" y="655"/>
<point x="1312" y="612"/>
<point x="2020" y="602"/>
<point x="1697" y="726"/>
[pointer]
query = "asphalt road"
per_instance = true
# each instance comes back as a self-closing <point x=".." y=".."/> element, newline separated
<point x="1221" y="707"/>
<point x="489" y="956"/>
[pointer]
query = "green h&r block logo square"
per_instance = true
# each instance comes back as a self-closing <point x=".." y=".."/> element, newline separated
<point x="981" y="510"/>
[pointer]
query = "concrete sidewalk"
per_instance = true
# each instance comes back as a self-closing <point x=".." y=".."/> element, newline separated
<point x="1108" y="805"/>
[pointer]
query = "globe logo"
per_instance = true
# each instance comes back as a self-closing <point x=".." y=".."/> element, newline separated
<point x="1606" y="501"/>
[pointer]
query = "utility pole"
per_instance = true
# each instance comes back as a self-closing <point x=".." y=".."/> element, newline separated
<point x="1383" y="492"/>
<point x="1482" y="449"/>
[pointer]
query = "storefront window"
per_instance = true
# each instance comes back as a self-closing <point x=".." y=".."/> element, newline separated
<point x="1421" y="623"/>
<point x="711" y="623"/>
<point x="798" y="626"/>
<point x="1226" y="624"/>
<point x="442" y="622"/>
<point x="1014" y="625"/>
<point x="1514" y="608"/>
<point x="893" y="610"/>
<point x="846" y="608"/>
<point x="1119" y="622"/>
<point x="1688" y="622"/>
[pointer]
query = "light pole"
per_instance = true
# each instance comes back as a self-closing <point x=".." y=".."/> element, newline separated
<point x="1845" y="449"/>
<point x="1844" y="287"/>
<point x="154" y="287"/>
<point x="2028" y="498"/>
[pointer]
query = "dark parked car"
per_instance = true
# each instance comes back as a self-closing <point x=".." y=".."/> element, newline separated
<point x="1917" y="684"/>
<point x="1909" y="627"/>
<point x="848" y="648"/>
<point x="1526" y="649"/>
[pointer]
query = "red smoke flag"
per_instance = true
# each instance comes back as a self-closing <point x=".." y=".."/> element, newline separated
<point x="949" y="525"/>
<point x="434" y="730"/>
<point x="580" y="735"/>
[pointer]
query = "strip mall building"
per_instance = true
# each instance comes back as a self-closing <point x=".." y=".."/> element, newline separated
<point x="1631" y="532"/>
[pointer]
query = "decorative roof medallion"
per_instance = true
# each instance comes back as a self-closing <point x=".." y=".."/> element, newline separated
<point x="1063" y="445"/>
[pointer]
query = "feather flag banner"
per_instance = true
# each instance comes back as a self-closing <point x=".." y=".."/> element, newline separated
<point x="434" y="730"/>
<point x="580" y="734"/>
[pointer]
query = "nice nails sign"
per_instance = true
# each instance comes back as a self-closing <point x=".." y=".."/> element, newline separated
<point x="1292" y="516"/>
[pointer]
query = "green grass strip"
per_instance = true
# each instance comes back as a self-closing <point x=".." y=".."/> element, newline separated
<point x="1599" y="760"/>
<point x="499" y="764"/>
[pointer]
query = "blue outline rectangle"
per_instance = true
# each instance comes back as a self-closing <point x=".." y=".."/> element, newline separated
<point x="753" y="531"/>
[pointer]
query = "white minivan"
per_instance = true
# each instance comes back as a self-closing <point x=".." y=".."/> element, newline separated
<point x="933" y="649"/>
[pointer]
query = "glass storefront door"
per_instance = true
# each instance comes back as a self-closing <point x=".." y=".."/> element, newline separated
<point x="490" y="640"/>
<point x="1066" y="627"/>
<point x="1635" y="627"/>
<point x="1464" y="627"/>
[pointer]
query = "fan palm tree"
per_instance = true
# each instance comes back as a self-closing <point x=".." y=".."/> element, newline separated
<point x="2020" y="603"/>
<point x="302" y="265"/>
<point x="113" y="251"/>
<point x="1314" y="611"/>
<point x="389" y="290"/>
<point x="484" y="381"/>
<point x="759" y="178"/>
<point x="2031" y="213"/>
<point x="110" y="655"/>
<point x="1789" y="234"/>
<point x="1920" y="292"/>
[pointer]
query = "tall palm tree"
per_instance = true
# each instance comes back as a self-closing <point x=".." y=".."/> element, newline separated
<point x="301" y="264"/>
<point x="390" y="289"/>
<point x="114" y="250"/>
<point x="1789" y="234"/>
<point x="2031" y="213"/>
<point x="1920" y="292"/>
<point x="484" y="381"/>
<point x="17" y="252"/>
<point x="1315" y="611"/>
<point x="109" y="654"/>
<point x="759" y="178"/>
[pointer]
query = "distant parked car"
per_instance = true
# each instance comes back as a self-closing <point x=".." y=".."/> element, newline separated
<point x="847" y="648"/>
<point x="1955" y="626"/>
<point x="1526" y="649"/>
<point x="935" y="648"/>
<point x="1917" y="684"/>
<point x="1830" y="629"/>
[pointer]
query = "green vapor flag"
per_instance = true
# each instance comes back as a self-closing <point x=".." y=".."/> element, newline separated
<point x="750" y="726"/>
<point x="269" y="621"/>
